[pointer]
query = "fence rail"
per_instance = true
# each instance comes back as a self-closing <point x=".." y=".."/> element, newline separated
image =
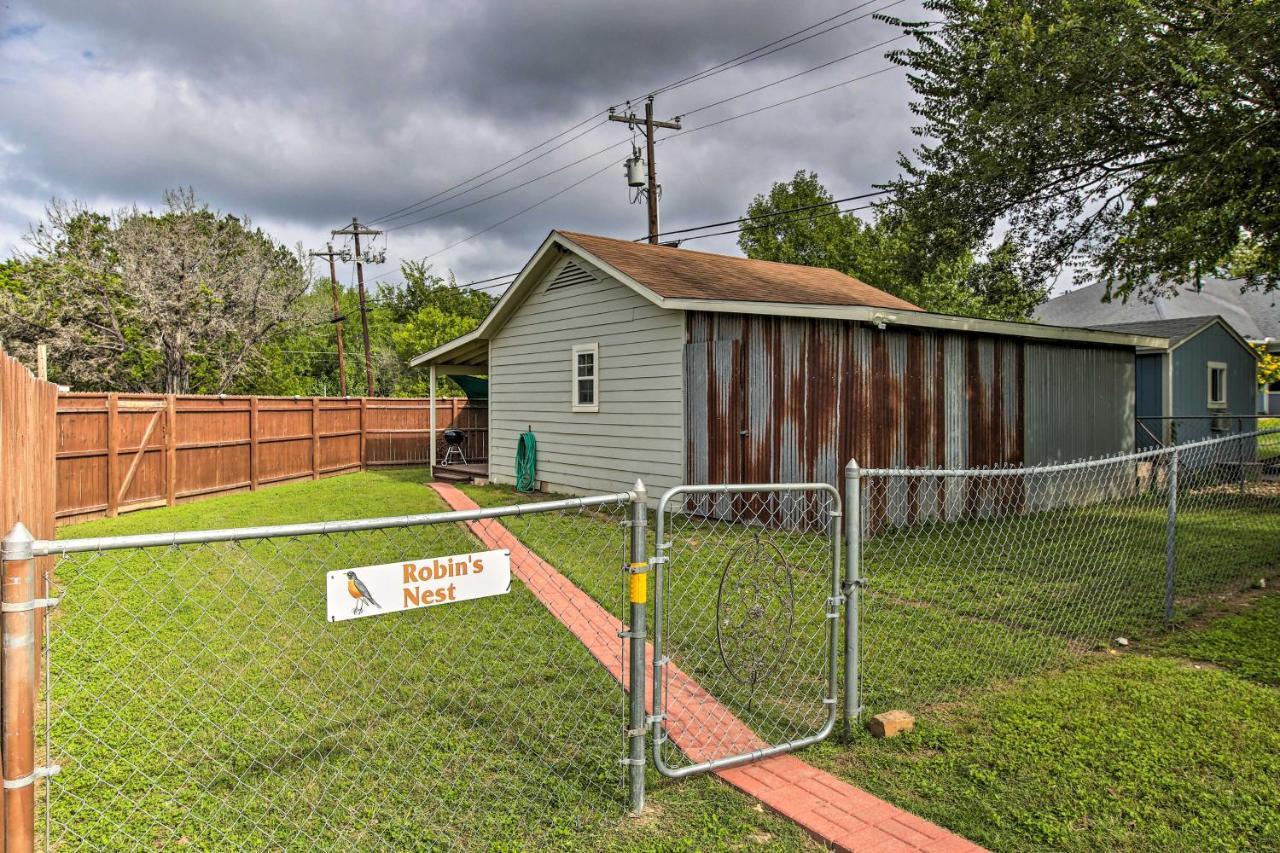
<point x="122" y="452"/>
<point x="242" y="716"/>
<point x="980" y="575"/>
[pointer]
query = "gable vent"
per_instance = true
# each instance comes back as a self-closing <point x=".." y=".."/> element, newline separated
<point x="571" y="274"/>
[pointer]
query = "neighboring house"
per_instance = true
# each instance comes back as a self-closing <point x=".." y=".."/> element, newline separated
<point x="1204" y="384"/>
<point x="629" y="359"/>
<point x="1253" y="314"/>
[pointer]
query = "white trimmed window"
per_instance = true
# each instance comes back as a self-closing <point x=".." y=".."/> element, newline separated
<point x="586" y="378"/>
<point x="1217" y="385"/>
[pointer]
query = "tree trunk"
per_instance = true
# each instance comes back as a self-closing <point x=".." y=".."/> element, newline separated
<point x="176" y="375"/>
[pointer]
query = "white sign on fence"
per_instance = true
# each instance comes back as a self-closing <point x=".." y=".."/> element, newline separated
<point x="408" y="585"/>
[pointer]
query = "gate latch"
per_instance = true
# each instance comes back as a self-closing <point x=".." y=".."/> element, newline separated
<point x="860" y="583"/>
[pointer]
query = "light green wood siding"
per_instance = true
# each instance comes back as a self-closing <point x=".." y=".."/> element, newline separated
<point x="638" y="431"/>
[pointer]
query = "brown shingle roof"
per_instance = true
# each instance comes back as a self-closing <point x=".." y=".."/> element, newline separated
<point x="684" y="274"/>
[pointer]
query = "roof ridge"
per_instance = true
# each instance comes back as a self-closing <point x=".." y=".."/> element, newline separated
<point x="641" y="244"/>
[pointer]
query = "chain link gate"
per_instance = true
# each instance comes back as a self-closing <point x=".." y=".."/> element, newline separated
<point x="198" y="695"/>
<point x="747" y="606"/>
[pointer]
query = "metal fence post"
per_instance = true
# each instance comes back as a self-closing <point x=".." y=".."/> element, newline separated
<point x="852" y="587"/>
<point x="18" y="691"/>
<point x="638" y="596"/>
<point x="1171" y="538"/>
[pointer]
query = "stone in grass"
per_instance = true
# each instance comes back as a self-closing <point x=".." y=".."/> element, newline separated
<point x="891" y="723"/>
<point x="1122" y="641"/>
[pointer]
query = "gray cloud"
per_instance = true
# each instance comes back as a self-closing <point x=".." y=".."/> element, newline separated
<point x="302" y="114"/>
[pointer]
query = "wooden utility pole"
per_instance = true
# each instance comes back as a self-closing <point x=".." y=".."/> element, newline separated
<point x="337" y="313"/>
<point x="647" y="126"/>
<point x="356" y="230"/>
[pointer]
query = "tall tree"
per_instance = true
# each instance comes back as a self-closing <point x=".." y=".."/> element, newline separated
<point x="424" y="312"/>
<point x="1135" y="137"/>
<point x="175" y="301"/>
<point x="890" y="253"/>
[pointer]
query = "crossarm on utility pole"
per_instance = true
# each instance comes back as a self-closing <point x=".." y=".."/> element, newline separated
<point x="356" y="230"/>
<point x="647" y="125"/>
<point x="337" y="313"/>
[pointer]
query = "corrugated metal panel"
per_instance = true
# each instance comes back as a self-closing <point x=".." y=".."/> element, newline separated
<point x="813" y="393"/>
<point x="1078" y="402"/>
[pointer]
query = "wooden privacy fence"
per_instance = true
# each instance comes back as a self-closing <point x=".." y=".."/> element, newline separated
<point x="121" y="452"/>
<point x="27" y="412"/>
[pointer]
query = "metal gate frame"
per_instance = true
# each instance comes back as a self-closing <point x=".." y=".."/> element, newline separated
<point x="835" y="610"/>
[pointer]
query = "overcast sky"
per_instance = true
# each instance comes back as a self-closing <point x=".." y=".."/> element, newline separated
<point x="304" y="114"/>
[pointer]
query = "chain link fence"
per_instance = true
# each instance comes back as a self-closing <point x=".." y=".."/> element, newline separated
<point x="746" y="615"/>
<point x="974" y="576"/>
<point x="197" y="695"/>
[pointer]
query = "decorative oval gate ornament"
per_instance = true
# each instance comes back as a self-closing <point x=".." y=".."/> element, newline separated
<point x="755" y="610"/>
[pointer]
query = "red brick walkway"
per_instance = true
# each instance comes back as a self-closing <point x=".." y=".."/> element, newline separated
<point x="832" y="810"/>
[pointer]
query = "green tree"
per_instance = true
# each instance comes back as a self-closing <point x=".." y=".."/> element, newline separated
<point x="423" y="288"/>
<point x="890" y="253"/>
<point x="180" y="300"/>
<point x="1135" y="137"/>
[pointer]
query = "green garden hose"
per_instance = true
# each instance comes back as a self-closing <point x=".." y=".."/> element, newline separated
<point x="527" y="462"/>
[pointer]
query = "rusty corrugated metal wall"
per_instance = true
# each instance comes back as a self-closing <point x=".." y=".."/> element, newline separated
<point x="778" y="399"/>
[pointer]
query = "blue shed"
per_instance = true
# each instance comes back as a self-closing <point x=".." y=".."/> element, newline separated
<point x="1202" y="386"/>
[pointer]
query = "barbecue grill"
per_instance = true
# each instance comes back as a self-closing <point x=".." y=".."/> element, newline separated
<point x="453" y="439"/>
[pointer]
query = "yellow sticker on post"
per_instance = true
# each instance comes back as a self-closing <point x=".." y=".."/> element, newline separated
<point x="411" y="584"/>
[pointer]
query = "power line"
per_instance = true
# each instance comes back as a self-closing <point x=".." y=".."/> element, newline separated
<point x="520" y="212"/>
<point x="667" y="139"/>
<point x="729" y="64"/>
<point x="704" y="74"/>
<point x="608" y="148"/>
<point x="507" y="278"/>
<point x="422" y="205"/>
<point x="776" y="213"/>
<point x="790" y="77"/>
<point x="792" y="100"/>
<point x="564" y="132"/>
<point x="810" y="217"/>
<point x="676" y="135"/>
<point x="521" y="185"/>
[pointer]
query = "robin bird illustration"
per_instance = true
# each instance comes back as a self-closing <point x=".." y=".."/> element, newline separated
<point x="360" y="593"/>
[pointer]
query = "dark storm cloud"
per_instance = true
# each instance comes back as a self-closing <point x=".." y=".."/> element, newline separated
<point x="302" y="114"/>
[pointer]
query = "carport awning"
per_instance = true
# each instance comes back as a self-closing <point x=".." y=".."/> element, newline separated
<point x="468" y="354"/>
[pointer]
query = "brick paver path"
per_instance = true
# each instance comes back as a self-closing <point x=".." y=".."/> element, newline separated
<point x="830" y="809"/>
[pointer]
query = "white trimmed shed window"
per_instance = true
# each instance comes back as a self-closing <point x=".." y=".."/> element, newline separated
<point x="586" y="378"/>
<point x="1217" y="385"/>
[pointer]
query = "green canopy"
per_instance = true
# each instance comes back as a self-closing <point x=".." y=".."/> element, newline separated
<point x="473" y="386"/>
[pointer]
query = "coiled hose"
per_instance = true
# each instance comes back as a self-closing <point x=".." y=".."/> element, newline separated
<point x="526" y="462"/>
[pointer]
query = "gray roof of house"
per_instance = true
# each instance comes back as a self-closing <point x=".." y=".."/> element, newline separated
<point x="1255" y="315"/>
<point x="1176" y="331"/>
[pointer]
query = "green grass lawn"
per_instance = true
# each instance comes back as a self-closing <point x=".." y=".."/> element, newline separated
<point x="200" y="698"/>
<point x="1029" y="738"/>
<point x="1157" y="749"/>
<point x="1246" y="642"/>
<point x="1117" y="753"/>
<point x="1268" y="446"/>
